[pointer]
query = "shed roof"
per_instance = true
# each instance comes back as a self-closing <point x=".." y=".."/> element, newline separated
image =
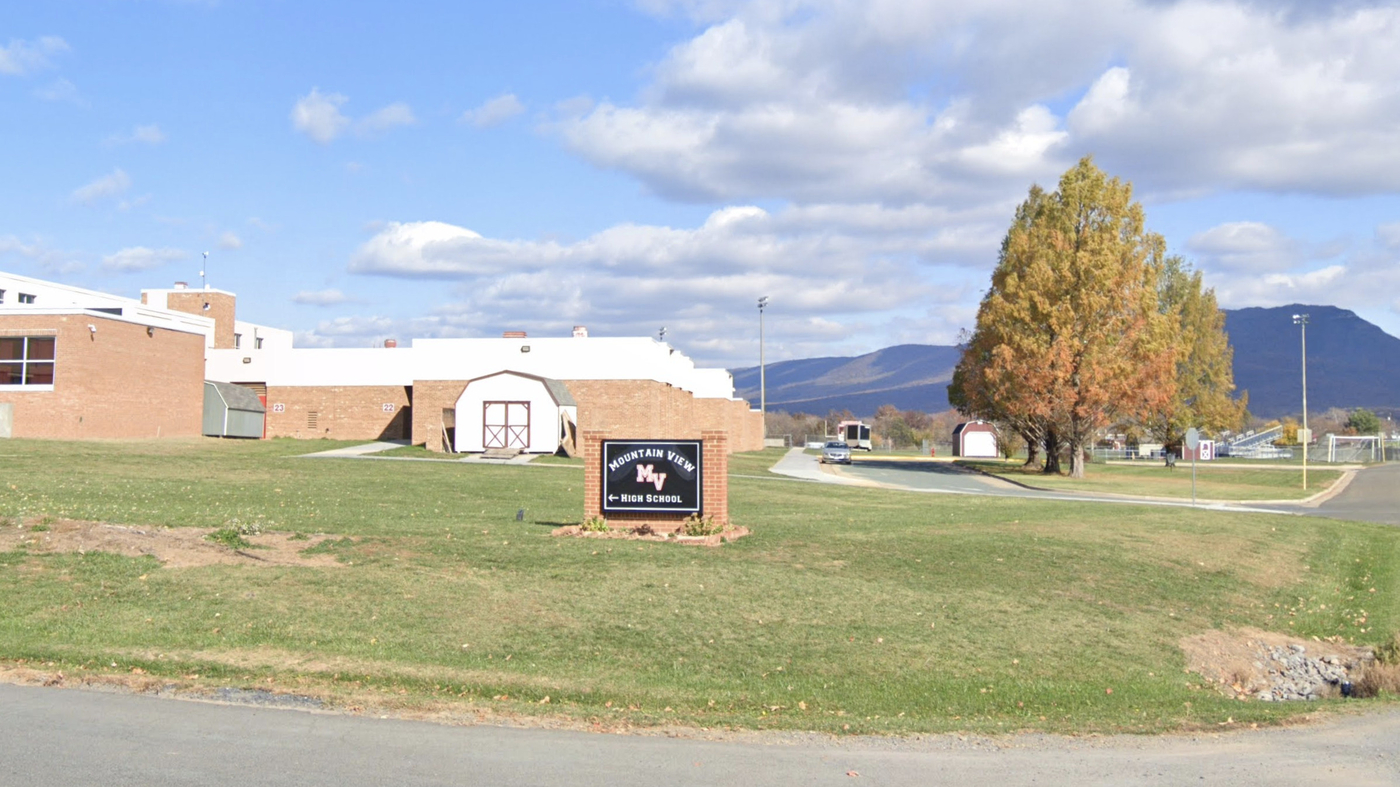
<point x="236" y="397"/>
<point x="557" y="390"/>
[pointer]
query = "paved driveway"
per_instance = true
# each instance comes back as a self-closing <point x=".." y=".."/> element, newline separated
<point x="59" y="737"/>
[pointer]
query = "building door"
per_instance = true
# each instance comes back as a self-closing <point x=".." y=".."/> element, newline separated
<point x="505" y="425"/>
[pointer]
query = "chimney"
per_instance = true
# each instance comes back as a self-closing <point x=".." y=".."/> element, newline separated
<point x="580" y="331"/>
<point x="179" y="285"/>
<point x="391" y="343"/>
<point x="513" y="335"/>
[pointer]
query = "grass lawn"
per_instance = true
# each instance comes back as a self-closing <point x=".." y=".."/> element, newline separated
<point x="1152" y="479"/>
<point x="847" y="610"/>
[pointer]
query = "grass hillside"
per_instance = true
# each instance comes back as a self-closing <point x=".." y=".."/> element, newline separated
<point x="847" y="609"/>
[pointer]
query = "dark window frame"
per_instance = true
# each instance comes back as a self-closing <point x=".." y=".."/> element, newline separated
<point x="32" y="362"/>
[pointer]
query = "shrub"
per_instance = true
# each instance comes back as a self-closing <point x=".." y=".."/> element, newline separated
<point x="229" y="537"/>
<point x="595" y="524"/>
<point x="696" y="525"/>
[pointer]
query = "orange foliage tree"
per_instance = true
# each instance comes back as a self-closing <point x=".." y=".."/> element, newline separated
<point x="1069" y="337"/>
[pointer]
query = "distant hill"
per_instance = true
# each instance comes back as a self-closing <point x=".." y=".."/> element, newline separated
<point x="1351" y="363"/>
<point x="908" y="376"/>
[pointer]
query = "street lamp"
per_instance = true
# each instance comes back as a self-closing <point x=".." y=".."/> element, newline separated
<point x="762" y="373"/>
<point x="1301" y="320"/>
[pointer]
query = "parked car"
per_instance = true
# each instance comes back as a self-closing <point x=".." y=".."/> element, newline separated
<point x="836" y="452"/>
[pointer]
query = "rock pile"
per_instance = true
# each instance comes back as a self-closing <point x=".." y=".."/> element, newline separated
<point x="1293" y="675"/>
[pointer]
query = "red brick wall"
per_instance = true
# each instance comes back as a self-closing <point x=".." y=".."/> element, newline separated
<point x="430" y="397"/>
<point x="221" y="310"/>
<point x="115" y="383"/>
<point x="714" y="494"/>
<point x="641" y="406"/>
<point x="352" y="412"/>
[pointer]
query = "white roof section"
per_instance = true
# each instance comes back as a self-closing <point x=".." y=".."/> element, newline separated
<point x="561" y="358"/>
<point x="53" y="298"/>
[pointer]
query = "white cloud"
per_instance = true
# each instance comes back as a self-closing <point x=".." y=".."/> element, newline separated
<point x="494" y="112"/>
<point x="51" y="260"/>
<point x="385" y="118"/>
<point x="943" y="102"/>
<point x="230" y="240"/>
<point x="140" y="258"/>
<point x="1389" y="235"/>
<point x="60" y="91"/>
<point x="318" y="116"/>
<point x="21" y="57"/>
<point x="110" y="185"/>
<point x="146" y="135"/>
<point x="1247" y="246"/>
<point x="331" y="297"/>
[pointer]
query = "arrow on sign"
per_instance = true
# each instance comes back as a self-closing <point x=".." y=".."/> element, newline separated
<point x="611" y="498"/>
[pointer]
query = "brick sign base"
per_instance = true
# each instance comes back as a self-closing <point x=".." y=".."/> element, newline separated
<point x="714" y="493"/>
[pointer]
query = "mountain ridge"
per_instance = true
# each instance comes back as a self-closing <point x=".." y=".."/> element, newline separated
<point x="1351" y="363"/>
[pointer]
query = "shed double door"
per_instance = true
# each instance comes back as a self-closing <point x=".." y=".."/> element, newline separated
<point x="505" y="425"/>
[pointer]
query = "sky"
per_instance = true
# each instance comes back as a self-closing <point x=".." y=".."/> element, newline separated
<point x="363" y="171"/>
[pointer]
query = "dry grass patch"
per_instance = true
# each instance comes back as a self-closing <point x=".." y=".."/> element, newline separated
<point x="173" y="547"/>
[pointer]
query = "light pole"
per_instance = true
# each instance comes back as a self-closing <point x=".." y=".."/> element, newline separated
<point x="762" y="372"/>
<point x="203" y="271"/>
<point x="1301" y="320"/>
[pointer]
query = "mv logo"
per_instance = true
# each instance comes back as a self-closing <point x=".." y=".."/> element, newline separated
<point x="647" y="473"/>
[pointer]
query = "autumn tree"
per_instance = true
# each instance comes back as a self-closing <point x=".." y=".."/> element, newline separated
<point x="1204" y="373"/>
<point x="1069" y="337"/>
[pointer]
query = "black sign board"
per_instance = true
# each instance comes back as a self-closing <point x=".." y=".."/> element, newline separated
<point x="652" y="475"/>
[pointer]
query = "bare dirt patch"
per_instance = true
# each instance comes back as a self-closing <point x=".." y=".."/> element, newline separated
<point x="645" y="533"/>
<point x="177" y="547"/>
<point x="1254" y="664"/>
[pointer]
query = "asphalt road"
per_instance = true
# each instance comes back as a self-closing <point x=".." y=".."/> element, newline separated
<point x="1372" y="496"/>
<point x="65" y="737"/>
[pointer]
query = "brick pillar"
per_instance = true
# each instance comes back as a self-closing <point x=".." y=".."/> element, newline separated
<point x="591" y="443"/>
<point x="716" y="491"/>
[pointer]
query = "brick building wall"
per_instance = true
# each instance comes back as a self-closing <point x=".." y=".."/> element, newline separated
<point x="715" y="480"/>
<point x="430" y="398"/>
<point x="613" y="406"/>
<point x="351" y="412"/>
<point x="116" y="382"/>
<point x="221" y="310"/>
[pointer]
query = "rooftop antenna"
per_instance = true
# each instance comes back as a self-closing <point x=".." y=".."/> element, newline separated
<point x="202" y="279"/>
<point x="663" y="334"/>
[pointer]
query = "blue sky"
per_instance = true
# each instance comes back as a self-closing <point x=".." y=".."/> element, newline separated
<point x="364" y="171"/>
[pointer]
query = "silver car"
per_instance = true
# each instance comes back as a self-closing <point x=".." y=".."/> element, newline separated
<point x="836" y="452"/>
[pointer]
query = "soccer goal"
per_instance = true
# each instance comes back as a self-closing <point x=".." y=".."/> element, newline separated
<point x="1349" y="448"/>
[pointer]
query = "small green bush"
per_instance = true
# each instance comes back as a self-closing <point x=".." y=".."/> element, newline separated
<point x="229" y="537"/>
<point x="696" y="525"/>
<point x="39" y="528"/>
<point x="595" y="524"/>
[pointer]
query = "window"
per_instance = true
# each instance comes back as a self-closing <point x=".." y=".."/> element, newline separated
<point x="25" y="297"/>
<point x="257" y="342"/>
<point x="2" y="296"/>
<point x="237" y="340"/>
<point x="26" y="360"/>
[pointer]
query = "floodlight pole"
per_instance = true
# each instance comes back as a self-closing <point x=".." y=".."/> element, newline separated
<point x="1301" y="320"/>
<point x="762" y="370"/>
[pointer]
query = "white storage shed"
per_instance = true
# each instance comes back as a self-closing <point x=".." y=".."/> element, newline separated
<point x="514" y="410"/>
<point x="975" y="440"/>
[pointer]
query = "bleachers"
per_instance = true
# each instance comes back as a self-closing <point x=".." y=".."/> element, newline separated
<point x="1256" y="445"/>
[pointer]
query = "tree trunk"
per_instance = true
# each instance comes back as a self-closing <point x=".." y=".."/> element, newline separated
<point x="1076" y="459"/>
<point x="1052" y="453"/>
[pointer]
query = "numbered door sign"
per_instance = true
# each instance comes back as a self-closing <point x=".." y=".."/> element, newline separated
<point x="388" y="407"/>
<point x="279" y="407"/>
